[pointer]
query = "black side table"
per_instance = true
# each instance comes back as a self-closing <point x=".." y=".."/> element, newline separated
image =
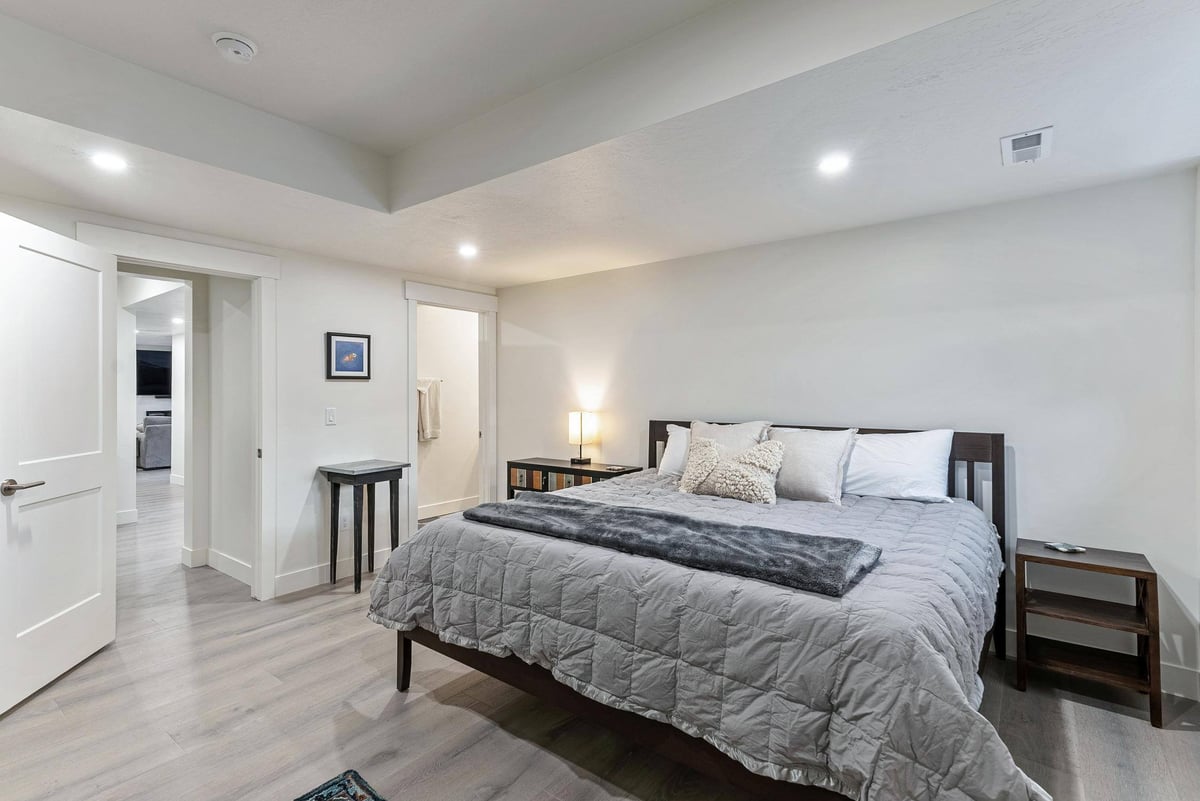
<point x="547" y="475"/>
<point x="357" y="474"/>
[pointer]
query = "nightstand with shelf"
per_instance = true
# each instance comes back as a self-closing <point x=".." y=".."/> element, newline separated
<point x="547" y="475"/>
<point x="1140" y="671"/>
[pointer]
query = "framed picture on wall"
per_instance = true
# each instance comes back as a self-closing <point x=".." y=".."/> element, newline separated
<point x="348" y="356"/>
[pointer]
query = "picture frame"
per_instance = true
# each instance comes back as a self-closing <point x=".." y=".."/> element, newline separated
<point x="347" y="356"/>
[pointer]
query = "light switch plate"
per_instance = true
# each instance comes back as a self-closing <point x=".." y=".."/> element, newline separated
<point x="330" y="416"/>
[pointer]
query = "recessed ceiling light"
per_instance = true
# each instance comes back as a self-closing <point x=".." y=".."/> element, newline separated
<point x="467" y="250"/>
<point x="177" y="320"/>
<point x="834" y="163"/>
<point x="109" y="162"/>
<point x="137" y="331"/>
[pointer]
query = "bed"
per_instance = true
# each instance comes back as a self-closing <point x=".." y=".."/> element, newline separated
<point x="786" y="694"/>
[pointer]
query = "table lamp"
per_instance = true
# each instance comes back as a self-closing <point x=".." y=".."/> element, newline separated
<point x="581" y="430"/>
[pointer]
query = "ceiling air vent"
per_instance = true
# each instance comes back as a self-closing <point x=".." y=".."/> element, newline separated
<point x="1028" y="146"/>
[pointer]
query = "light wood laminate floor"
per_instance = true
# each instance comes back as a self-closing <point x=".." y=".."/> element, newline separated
<point x="209" y="695"/>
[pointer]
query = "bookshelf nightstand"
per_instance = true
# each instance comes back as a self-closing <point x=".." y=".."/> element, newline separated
<point x="1140" y="671"/>
<point x="548" y="475"/>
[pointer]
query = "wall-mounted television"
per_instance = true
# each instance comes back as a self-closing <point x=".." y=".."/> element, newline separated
<point x="154" y="372"/>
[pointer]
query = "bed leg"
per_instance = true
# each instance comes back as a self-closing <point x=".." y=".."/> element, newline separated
<point x="999" y="627"/>
<point x="983" y="655"/>
<point x="403" y="662"/>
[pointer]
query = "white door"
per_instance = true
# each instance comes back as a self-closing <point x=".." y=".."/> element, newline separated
<point x="57" y="404"/>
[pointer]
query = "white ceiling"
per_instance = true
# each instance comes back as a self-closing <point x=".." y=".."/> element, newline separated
<point x="155" y="315"/>
<point x="379" y="73"/>
<point x="922" y="117"/>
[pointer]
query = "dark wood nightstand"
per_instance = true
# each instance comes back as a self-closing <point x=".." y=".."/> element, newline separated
<point x="548" y="475"/>
<point x="1140" y="671"/>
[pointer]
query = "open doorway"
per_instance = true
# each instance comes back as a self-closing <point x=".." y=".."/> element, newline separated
<point x="153" y="322"/>
<point x="452" y="337"/>
<point x="448" y="431"/>
<point x="198" y="264"/>
<point x="185" y="420"/>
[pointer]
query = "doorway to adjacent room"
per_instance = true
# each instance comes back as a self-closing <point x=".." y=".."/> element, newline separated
<point x="452" y="419"/>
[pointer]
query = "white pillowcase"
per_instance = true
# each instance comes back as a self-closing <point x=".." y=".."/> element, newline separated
<point x="734" y="438"/>
<point x="814" y="463"/>
<point x="674" y="457"/>
<point x="910" y="467"/>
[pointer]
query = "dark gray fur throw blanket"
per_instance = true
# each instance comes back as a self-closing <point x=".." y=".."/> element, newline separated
<point x="826" y="565"/>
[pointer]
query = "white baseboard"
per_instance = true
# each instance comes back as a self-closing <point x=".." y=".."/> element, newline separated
<point x="1176" y="679"/>
<point x="177" y="479"/>
<point x="446" y="507"/>
<point x="230" y="566"/>
<point x="193" y="557"/>
<point x="319" y="574"/>
<point x="126" y="517"/>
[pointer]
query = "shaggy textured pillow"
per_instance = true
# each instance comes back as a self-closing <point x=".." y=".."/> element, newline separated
<point x="746" y="476"/>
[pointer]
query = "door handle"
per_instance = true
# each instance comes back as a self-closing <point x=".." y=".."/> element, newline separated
<point x="11" y="487"/>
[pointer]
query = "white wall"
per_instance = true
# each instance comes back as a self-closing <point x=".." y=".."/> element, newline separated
<point x="1065" y="322"/>
<point x="231" y="428"/>
<point x="127" y="419"/>
<point x="314" y="295"/>
<point x="178" y="407"/>
<point x="448" y="467"/>
<point x="149" y="403"/>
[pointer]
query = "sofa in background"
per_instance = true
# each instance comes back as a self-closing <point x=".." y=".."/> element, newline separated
<point x="154" y="442"/>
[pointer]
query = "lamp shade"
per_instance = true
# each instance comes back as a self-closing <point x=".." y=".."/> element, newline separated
<point x="582" y="428"/>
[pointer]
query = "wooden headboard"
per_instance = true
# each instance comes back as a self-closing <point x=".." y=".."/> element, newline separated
<point x="968" y="448"/>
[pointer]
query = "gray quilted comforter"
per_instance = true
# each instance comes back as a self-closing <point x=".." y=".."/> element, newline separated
<point x="873" y="695"/>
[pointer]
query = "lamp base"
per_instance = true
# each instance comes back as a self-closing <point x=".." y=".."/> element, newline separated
<point x="581" y="460"/>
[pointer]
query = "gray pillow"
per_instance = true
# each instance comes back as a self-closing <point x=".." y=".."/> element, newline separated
<point x="746" y="476"/>
<point x="814" y="463"/>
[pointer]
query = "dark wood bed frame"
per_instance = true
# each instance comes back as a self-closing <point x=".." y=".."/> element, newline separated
<point x="969" y="448"/>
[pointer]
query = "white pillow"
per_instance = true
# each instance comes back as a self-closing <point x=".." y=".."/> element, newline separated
<point x="910" y="467"/>
<point x="734" y="438"/>
<point x="747" y="476"/>
<point x="814" y="463"/>
<point x="674" y="457"/>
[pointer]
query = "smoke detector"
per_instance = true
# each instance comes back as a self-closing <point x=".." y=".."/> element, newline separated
<point x="1026" y="147"/>
<point x="234" y="47"/>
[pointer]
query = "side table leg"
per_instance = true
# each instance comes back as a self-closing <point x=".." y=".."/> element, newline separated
<point x="394" y="493"/>
<point x="370" y="528"/>
<point x="335" y="493"/>
<point x="358" y="543"/>
<point x="1153" y="658"/>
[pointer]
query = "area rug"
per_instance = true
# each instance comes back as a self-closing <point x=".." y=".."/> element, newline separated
<point x="347" y="787"/>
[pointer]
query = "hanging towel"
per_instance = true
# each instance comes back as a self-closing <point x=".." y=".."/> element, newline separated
<point x="429" y="409"/>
